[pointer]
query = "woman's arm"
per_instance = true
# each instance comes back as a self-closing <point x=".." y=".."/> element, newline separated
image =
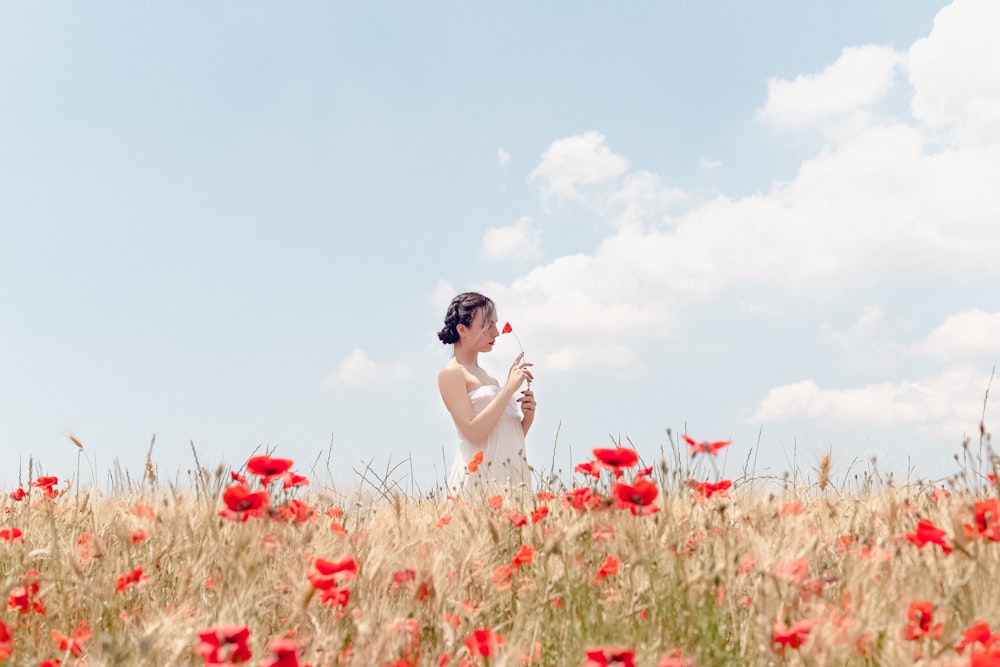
<point x="476" y="428"/>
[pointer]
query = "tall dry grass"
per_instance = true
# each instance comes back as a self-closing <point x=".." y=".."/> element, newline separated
<point x="824" y="564"/>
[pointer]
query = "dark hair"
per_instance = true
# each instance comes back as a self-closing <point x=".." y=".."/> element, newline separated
<point x="462" y="310"/>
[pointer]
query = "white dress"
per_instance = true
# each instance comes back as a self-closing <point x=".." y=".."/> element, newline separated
<point x="504" y="466"/>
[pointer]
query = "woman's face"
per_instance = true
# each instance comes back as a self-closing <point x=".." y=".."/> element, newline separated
<point x="483" y="332"/>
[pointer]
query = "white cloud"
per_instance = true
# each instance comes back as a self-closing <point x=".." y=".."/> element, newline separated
<point x="943" y="405"/>
<point x="884" y="205"/>
<point x="642" y="197"/>
<point x="969" y="335"/>
<point x="503" y="157"/>
<point x="357" y="369"/>
<point x="574" y="163"/>
<point x="859" y="77"/>
<point x="705" y="163"/>
<point x="518" y="240"/>
<point x="954" y="72"/>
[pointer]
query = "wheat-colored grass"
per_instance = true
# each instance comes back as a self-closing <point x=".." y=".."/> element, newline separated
<point x="704" y="580"/>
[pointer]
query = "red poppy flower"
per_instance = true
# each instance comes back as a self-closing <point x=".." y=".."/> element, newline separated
<point x="977" y="633"/>
<point x="72" y="643"/>
<point x="444" y="521"/>
<point x="793" y="636"/>
<point x="144" y="511"/>
<point x="940" y="494"/>
<point x="290" y="480"/>
<point x="987" y="513"/>
<point x="297" y="511"/>
<point x="130" y="579"/>
<point x="409" y="574"/>
<point x="927" y="532"/>
<point x="609" y="567"/>
<point x="610" y="656"/>
<point x="711" y="489"/>
<point x="503" y="577"/>
<point x="539" y="514"/>
<point x="12" y="535"/>
<point x="638" y="497"/>
<point x="224" y="644"/>
<point x="284" y="653"/>
<point x="24" y="598"/>
<point x="137" y="536"/>
<point x="581" y="499"/>
<point x="592" y="468"/>
<point x="919" y="621"/>
<point x="496" y="502"/>
<point x="335" y="597"/>
<point x="545" y="496"/>
<point x="603" y="533"/>
<point x="47" y="484"/>
<point x="617" y="459"/>
<point x="6" y="642"/>
<point x="339" y="571"/>
<point x="507" y="328"/>
<point x="711" y="448"/>
<point x="985" y="657"/>
<point x="473" y="464"/>
<point x="268" y="468"/>
<point x="517" y="519"/>
<point x="19" y="494"/>
<point x="243" y="503"/>
<point x="794" y="570"/>
<point x="524" y="556"/>
<point x="483" y="642"/>
<point x="791" y="509"/>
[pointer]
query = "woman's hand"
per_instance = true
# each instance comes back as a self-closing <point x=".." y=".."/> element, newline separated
<point x="519" y="373"/>
<point x="527" y="402"/>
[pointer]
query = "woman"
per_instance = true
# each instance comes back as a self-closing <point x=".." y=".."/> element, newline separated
<point x="491" y="453"/>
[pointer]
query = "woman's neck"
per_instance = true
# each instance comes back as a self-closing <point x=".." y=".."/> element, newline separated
<point x="466" y="357"/>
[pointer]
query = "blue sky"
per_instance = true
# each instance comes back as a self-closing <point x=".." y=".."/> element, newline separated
<point x="239" y="225"/>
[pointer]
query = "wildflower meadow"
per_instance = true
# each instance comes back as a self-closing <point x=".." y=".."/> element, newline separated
<point x="664" y="563"/>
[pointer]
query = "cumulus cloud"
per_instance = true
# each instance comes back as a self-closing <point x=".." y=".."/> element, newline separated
<point x="503" y="157"/>
<point x="886" y="204"/>
<point x="357" y="370"/>
<point x="642" y="197"/>
<point x="943" y="405"/>
<point x="968" y="335"/>
<point x="518" y="240"/>
<point x="954" y="73"/>
<point x="573" y="163"/>
<point x="858" y="78"/>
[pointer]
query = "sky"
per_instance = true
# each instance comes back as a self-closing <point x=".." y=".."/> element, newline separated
<point x="236" y="227"/>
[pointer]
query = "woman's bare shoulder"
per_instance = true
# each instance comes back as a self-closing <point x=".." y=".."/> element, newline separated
<point x="452" y="372"/>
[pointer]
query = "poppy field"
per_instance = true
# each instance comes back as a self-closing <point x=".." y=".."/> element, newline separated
<point x="663" y="563"/>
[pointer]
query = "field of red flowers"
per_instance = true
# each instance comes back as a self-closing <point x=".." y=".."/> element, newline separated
<point x="662" y="565"/>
